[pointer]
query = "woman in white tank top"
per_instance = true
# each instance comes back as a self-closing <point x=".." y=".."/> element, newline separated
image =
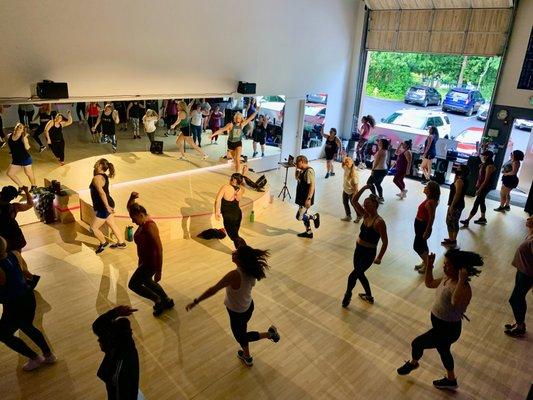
<point x="251" y="264"/>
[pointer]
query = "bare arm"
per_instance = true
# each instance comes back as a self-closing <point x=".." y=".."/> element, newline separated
<point x="463" y="292"/>
<point x="356" y="203"/>
<point x="488" y="173"/>
<point x="47" y="129"/>
<point x="98" y="120"/>
<point x="222" y="130"/>
<point x="515" y="166"/>
<point x="409" y="157"/>
<point x="232" y="278"/>
<point x="131" y="201"/>
<point x="218" y="200"/>
<point x="428" y="145"/>
<point x="382" y="230"/>
<point x="19" y="207"/>
<point x="128" y="111"/>
<point x="251" y="117"/>
<point x="430" y="282"/>
<point x="115" y="116"/>
<point x="25" y="141"/>
<point x="458" y="189"/>
<point x="430" y="206"/>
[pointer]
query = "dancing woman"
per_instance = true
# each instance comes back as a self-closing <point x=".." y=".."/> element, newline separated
<point x="20" y="157"/>
<point x="103" y="205"/>
<point x="332" y="147"/>
<point x="350" y="188"/>
<point x="367" y="124"/>
<point x="379" y="169"/>
<point x="456" y="204"/>
<point x="373" y="228"/>
<point x="227" y="206"/>
<point x="109" y="119"/>
<point x="149" y="120"/>
<point x="215" y="122"/>
<point x="235" y="134"/>
<point x="451" y="301"/>
<point x="133" y="114"/>
<point x="486" y="169"/>
<point x="424" y="223"/>
<point x="509" y="180"/>
<point x="251" y="265"/>
<point x="145" y="280"/>
<point x="183" y="122"/>
<point x="54" y="135"/>
<point x="403" y="167"/>
<point x="44" y="115"/>
<point x="93" y="111"/>
<point x="429" y="153"/>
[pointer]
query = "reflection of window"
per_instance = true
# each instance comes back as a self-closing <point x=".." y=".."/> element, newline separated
<point x="314" y="117"/>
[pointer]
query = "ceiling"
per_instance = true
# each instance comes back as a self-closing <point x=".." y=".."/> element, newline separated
<point x="436" y="4"/>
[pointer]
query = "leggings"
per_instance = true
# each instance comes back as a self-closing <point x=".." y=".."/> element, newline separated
<point x="363" y="257"/>
<point x="92" y="121"/>
<point x="522" y="285"/>
<point x="25" y="114"/>
<point x="150" y="136"/>
<point x="346" y="201"/>
<point x="196" y="134"/>
<point x="239" y="325"/>
<point x="141" y="282"/>
<point x="452" y="219"/>
<point x="80" y="111"/>
<point x="398" y="179"/>
<point x="58" y="148"/>
<point x="360" y="150"/>
<point x="17" y="315"/>
<point x="479" y="202"/>
<point x="135" y="124"/>
<point x="36" y="135"/>
<point x="440" y="337"/>
<point x="420" y="245"/>
<point x="232" y="223"/>
<point x="375" y="181"/>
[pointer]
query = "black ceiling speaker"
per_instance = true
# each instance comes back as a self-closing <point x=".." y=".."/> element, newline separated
<point x="52" y="90"/>
<point x="246" y="88"/>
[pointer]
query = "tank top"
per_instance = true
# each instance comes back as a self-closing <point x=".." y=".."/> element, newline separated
<point x="185" y="122"/>
<point x="461" y="203"/>
<point x="108" y="124"/>
<point x="172" y="108"/>
<point x="365" y="131"/>
<point x="149" y="125"/>
<point x="369" y="234"/>
<point x="135" y="111"/>
<point x="17" y="149"/>
<point x="144" y="242"/>
<point x="442" y="306"/>
<point x="15" y="286"/>
<point x="383" y="163"/>
<point x="422" y="214"/>
<point x="347" y="184"/>
<point x="401" y="163"/>
<point x="93" y="111"/>
<point x="432" y="148"/>
<point x="98" y="204"/>
<point x="196" y="118"/>
<point x="240" y="300"/>
<point x="331" y="146"/>
<point x="56" y="133"/>
<point x="236" y="134"/>
<point x="216" y="120"/>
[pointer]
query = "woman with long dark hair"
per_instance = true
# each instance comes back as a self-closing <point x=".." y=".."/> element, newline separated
<point x="509" y="180"/>
<point x="367" y="124"/>
<point x="451" y="301"/>
<point x="44" y="115"/>
<point x="20" y="157"/>
<point x="456" y="204"/>
<point x="425" y="216"/>
<point x="403" y="166"/>
<point x="373" y="228"/>
<point x="332" y="148"/>
<point x="54" y="135"/>
<point x="429" y="153"/>
<point x="145" y="280"/>
<point x="486" y="169"/>
<point x="251" y="265"/>
<point x="379" y="169"/>
<point x="227" y="206"/>
<point x="103" y="205"/>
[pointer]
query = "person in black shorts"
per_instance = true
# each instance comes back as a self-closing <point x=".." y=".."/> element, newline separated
<point x="227" y="206"/>
<point x="305" y="195"/>
<point x="332" y="148"/>
<point x="20" y="157"/>
<point x="54" y="135"/>
<point x="260" y="134"/>
<point x="509" y="180"/>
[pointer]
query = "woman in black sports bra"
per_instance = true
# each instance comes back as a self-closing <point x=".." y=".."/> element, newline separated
<point x="373" y="228"/>
<point x="227" y="206"/>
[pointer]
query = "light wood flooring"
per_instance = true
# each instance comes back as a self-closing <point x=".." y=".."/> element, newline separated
<point x="325" y="352"/>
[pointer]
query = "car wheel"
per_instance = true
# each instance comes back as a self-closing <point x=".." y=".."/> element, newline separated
<point x="469" y="113"/>
<point x="406" y="102"/>
<point x="425" y="103"/>
<point x="444" y="109"/>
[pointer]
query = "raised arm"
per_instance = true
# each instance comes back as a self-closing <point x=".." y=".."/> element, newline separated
<point x="356" y="203"/>
<point x="430" y="282"/>
<point x="68" y="121"/>
<point x="382" y="230"/>
<point x="251" y="117"/>
<point x="131" y="201"/>
<point x="232" y="278"/>
<point x="222" y="130"/>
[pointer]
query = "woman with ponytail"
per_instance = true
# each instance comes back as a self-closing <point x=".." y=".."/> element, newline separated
<point x="367" y="124"/>
<point x="251" y="265"/>
<point x="451" y="301"/>
<point x="104" y="205"/>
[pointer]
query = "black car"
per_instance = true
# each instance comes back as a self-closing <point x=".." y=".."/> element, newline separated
<point x="423" y="95"/>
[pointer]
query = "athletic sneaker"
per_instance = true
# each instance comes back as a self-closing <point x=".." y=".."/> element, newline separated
<point x="274" y="335"/>
<point x="507" y="207"/>
<point x="50" y="359"/>
<point x="248" y="361"/>
<point x="332" y="174"/>
<point x="480" y="221"/>
<point x="327" y="175"/>
<point x="500" y="209"/>
<point x="316" y="220"/>
<point x="101" y="247"/>
<point x="404" y="193"/>
<point x="118" y="245"/>
<point x="365" y="297"/>
<point x="262" y="154"/>
<point x="308" y="235"/>
<point x="381" y="200"/>
<point x="466" y="222"/>
<point x="406" y="368"/>
<point x="346" y="299"/>
<point x="254" y="154"/>
<point x="515" y="331"/>
<point x="446" y="383"/>
<point x="357" y="220"/>
<point x="33" y="363"/>
<point x="347" y="218"/>
<point x="422" y="270"/>
<point x="419" y="266"/>
<point x="114" y="148"/>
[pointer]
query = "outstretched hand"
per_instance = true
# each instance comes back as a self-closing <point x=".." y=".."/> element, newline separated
<point x="190" y="306"/>
<point x="431" y="259"/>
<point x="125" y="311"/>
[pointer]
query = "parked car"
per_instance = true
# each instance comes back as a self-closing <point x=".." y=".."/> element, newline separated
<point x="315" y="114"/>
<point x="423" y="95"/>
<point x="320" y="98"/>
<point x="272" y="107"/>
<point x="483" y="112"/>
<point x="523" y="124"/>
<point x="462" y="100"/>
<point x="469" y="139"/>
<point x="412" y="124"/>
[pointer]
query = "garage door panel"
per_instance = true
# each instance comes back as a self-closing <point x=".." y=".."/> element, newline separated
<point x="490" y="20"/>
<point x="417" y="42"/>
<point x="382" y="40"/>
<point x="382" y="4"/>
<point x="384" y="20"/>
<point x="416" y="20"/>
<point x="415" y="4"/>
<point x="452" y="4"/>
<point x="451" y="20"/>
<point x="485" y="44"/>
<point x="447" y="42"/>
<point x="492" y="3"/>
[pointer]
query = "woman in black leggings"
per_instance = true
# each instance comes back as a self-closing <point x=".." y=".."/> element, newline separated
<point x="452" y="299"/>
<point x="373" y="228"/>
<point x="379" y="169"/>
<point x="486" y="169"/>
<point x="227" y="206"/>
<point x="54" y="135"/>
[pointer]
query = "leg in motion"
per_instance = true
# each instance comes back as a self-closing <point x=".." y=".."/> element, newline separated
<point x="12" y="171"/>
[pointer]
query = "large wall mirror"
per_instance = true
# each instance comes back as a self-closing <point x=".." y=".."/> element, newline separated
<point x="314" y="116"/>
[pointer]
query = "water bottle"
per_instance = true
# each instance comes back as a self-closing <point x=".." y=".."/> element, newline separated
<point x="252" y="216"/>
<point x="129" y="233"/>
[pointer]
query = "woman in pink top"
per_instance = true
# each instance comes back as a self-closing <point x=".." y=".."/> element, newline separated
<point x="367" y="124"/>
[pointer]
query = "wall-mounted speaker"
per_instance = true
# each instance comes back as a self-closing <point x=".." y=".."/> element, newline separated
<point x="246" y="88"/>
<point x="52" y="90"/>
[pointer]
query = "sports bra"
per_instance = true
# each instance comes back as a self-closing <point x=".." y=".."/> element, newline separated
<point x="369" y="234"/>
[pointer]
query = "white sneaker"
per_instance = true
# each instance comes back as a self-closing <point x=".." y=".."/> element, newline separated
<point x="404" y="194"/>
<point x="33" y="363"/>
<point x="357" y="220"/>
<point x="347" y="218"/>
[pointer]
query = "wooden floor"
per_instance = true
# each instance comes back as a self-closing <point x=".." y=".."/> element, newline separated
<point x="325" y="352"/>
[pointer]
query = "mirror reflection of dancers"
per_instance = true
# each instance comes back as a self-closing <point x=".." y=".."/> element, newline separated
<point x="332" y="148"/>
<point x="19" y="306"/>
<point x="149" y="121"/>
<point x="145" y="280"/>
<point x="54" y="135"/>
<point x="260" y="134"/>
<point x="215" y="122"/>
<point x="305" y="195"/>
<point x="425" y="216"/>
<point x="403" y="166"/>
<point x="456" y="204"/>
<point x="349" y="188"/>
<point x="103" y="205"/>
<point x="367" y="124"/>
<point x="235" y="135"/>
<point x="227" y="206"/>
<point x="20" y="157"/>
<point x="184" y="125"/>
<point x="133" y="114"/>
<point x="93" y="111"/>
<point x="44" y="115"/>
<point x="251" y="265"/>
<point x="109" y="119"/>
<point x="379" y="169"/>
<point x="452" y="298"/>
<point x="373" y="228"/>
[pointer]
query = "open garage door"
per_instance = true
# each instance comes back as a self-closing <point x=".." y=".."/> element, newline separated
<point x="465" y="27"/>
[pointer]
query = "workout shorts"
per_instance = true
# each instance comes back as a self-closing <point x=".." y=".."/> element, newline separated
<point x="234" y="145"/>
<point x="23" y="163"/>
<point x="102" y="214"/>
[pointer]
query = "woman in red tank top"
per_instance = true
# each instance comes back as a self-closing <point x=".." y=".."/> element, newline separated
<point x="424" y="223"/>
<point x="93" y="111"/>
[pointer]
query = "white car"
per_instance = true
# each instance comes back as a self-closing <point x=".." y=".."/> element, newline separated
<point x="412" y="124"/>
<point x="272" y="107"/>
<point x="523" y="124"/>
<point x="483" y="112"/>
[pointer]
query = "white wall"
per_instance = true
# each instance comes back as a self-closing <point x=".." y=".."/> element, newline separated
<point x="507" y="93"/>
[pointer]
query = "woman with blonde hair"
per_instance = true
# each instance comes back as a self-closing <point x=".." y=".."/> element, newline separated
<point x="350" y="188"/>
<point x="149" y="120"/>
<point x="235" y="134"/>
<point x="103" y="205"/>
<point x="20" y="157"/>
<point x="184" y="125"/>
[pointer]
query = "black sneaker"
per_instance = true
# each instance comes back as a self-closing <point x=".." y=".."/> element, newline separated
<point x="406" y="368"/>
<point x="254" y="154"/>
<point x="158" y="309"/>
<point x="332" y="174"/>
<point x="316" y="220"/>
<point x="327" y="175"/>
<point x="308" y="235"/>
<point x="118" y="245"/>
<point x="248" y="361"/>
<point x="274" y="335"/>
<point x="515" y="331"/>
<point x="424" y="181"/>
<point x="465" y="222"/>
<point x="346" y="300"/>
<point x="446" y="383"/>
<point x="500" y="209"/>
<point x="365" y="297"/>
<point x="168" y="304"/>
<point x="101" y="247"/>
<point x="507" y="207"/>
<point x="481" y="221"/>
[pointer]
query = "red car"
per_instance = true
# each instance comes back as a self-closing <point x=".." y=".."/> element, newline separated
<point x="468" y="140"/>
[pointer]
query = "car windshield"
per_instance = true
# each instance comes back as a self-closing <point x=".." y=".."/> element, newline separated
<point x="407" y="119"/>
<point x="469" y="136"/>
<point x="315" y="111"/>
<point x="458" y="95"/>
<point x="272" y="99"/>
